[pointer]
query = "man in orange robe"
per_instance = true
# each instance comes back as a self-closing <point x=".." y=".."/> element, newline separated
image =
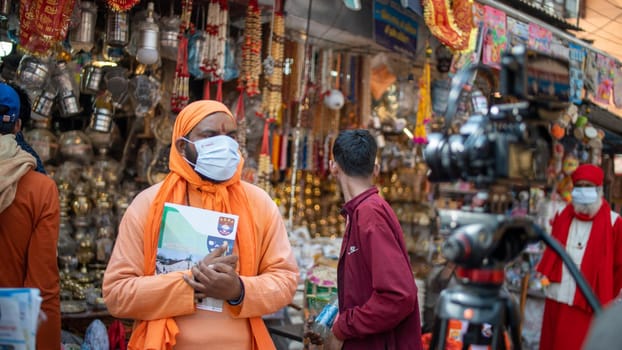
<point x="260" y="276"/>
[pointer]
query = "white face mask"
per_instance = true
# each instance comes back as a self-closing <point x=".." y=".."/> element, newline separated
<point x="217" y="157"/>
<point x="584" y="195"/>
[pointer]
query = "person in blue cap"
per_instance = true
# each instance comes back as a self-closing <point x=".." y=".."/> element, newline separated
<point x="30" y="217"/>
<point x="16" y="113"/>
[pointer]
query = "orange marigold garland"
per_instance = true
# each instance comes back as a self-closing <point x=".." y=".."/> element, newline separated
<point x="424" y="111"/>
<point x="450" y="25"/>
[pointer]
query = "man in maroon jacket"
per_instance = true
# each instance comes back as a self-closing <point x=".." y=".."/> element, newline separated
<point x="378" y="306"/>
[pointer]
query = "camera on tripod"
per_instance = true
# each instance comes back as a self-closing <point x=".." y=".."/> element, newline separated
<point x="511" y="140"/>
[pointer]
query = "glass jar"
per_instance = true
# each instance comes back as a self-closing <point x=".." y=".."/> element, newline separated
<point x="76" y="145"/>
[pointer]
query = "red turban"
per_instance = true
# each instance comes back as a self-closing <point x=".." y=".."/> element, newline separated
<point x="588" y="172"/>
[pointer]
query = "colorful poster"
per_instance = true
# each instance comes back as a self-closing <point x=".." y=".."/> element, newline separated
<point x="606" y="70"/>
<point x="576" y="56"/>
<point x="540" y="38"/>
<point x="495" y="39"/>
<point x="518" y="32"/>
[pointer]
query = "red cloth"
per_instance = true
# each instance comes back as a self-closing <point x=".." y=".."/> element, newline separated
<point x="563" y="327"/>
<point x="598" y="261"/>
<point x="588" y="172"/>
<point x="116" y="336"/>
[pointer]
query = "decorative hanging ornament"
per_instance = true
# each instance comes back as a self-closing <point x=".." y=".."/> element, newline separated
<point x="122" y="5"/>
<point x="451" y="25"/>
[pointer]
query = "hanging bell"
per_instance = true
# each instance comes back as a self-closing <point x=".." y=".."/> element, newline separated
<point x="83" y="36"/>
<point x="117" y="28"/>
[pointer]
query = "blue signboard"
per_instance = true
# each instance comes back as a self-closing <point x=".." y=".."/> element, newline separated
<point x="395" y="26"/>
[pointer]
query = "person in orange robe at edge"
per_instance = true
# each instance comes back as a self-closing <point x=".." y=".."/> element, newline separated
<point x="259" y="278"/>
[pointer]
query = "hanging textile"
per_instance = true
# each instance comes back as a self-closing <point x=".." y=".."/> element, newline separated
<point x="43" y="24"/>
<point x="451" y="25"/>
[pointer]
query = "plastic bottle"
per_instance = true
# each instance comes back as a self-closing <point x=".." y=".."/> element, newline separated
<point x="324" y="321"/>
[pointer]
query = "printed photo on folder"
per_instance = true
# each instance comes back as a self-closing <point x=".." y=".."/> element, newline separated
<point x="187" y="235"/>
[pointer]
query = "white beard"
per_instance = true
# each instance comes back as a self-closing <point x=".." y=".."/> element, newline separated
<point x="588" y="209"/>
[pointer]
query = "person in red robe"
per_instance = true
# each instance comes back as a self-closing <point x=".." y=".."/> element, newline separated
<point x="592" y="236"/>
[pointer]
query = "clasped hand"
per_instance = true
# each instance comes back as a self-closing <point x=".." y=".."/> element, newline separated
<point x="214" y="276"/>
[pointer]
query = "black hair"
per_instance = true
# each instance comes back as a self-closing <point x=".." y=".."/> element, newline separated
<point x="355" y="152"/>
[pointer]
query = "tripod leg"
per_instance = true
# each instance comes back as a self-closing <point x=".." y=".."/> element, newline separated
<point x="439" y="334"/>
<point x="513" y="322"/>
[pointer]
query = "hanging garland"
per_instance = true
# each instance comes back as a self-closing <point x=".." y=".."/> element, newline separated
<point x="272" y="92"/>
<point x="251" y="51"/>
<point x="450" y="25"/>
<point x="213" y="63"/>
<point x="424" y="110"/>
<point x="180" y="93"/>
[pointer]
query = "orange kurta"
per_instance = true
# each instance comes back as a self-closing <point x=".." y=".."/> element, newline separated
<point x="28" y="237"/>
<point x="130" y="294"/>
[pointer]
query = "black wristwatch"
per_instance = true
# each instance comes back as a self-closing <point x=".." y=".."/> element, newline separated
<point x="239" y="300"/>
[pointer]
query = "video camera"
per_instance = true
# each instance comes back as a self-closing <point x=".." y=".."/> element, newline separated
<point x="511" y="140"/>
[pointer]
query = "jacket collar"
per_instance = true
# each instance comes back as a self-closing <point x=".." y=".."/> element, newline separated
<point x="353" y="203"/>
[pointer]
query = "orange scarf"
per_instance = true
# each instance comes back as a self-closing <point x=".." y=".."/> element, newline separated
<point x="227" y="197"/>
